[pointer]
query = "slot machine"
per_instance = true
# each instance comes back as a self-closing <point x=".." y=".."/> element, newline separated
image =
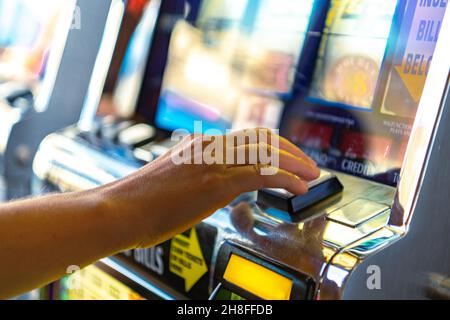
<point x="39" y="90"/>
<point x="360" y="86"/>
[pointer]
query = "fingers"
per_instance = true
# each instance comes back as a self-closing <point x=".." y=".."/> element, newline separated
<point x="257" y="135"/>
<point x="278" y="158"/>
<point x="292" y="148"/>
<point x="284" y="164"/>
<point x="242" y="138"/>
<point x="251" y="177"/>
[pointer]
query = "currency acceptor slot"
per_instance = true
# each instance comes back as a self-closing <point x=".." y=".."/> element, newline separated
<point x="240" y="276"/>
<point x="323" y="187"/>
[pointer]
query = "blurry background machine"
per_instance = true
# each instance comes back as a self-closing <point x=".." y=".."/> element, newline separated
<point x="360" y="85"/>
<point x="49" y="52"/>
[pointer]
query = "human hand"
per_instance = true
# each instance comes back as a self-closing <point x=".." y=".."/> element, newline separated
<point x="167" y="197"/>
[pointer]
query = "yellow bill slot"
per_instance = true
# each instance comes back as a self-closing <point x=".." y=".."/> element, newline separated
<point x="257" y="279"/>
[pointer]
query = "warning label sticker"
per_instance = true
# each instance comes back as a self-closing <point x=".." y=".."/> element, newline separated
<point x="420" y="46"/>
<point x="412" y="61"/>
<point x="186" y="259"/>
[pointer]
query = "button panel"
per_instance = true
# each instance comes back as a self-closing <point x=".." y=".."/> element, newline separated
<point x="325" y="186"/>
<point x="357" y="212"/>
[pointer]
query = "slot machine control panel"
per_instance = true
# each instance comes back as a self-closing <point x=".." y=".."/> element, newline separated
<point x="250" y="235"/>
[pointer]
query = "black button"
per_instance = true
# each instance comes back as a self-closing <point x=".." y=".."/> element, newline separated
<point x="325" y="186"/>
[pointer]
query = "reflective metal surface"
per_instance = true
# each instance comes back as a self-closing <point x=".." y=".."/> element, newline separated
<point x="417" y="266"/>
<point x="357" y="212"/>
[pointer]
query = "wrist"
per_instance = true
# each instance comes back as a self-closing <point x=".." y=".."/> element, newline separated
<point x="113" y="218"/>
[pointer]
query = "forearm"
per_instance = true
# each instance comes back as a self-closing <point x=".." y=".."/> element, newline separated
<point x="41" y="238"/>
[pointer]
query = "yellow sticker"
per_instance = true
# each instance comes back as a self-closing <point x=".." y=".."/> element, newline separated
<point x="414" y="83"/>
<point x="91" y="283"/>
<point x="186" y="259"/>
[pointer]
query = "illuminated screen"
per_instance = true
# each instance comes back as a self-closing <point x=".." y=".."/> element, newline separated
<point x="356" y="113"/>
<point x="257" y="279"/>
<point x="27" y="28"/>
<point x="233" y="65"/>
<point x="351" y="52"/>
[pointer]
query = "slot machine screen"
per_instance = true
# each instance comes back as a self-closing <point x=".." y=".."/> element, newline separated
<point x="232" y="65"/>
<point x="27" y="29"/>
<point x="356" y="112"/>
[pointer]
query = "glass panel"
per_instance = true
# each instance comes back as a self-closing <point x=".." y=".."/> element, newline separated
<point x="231" y="66"/>
<point x="340" y="78"/>
<point x="370" y="70"/>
